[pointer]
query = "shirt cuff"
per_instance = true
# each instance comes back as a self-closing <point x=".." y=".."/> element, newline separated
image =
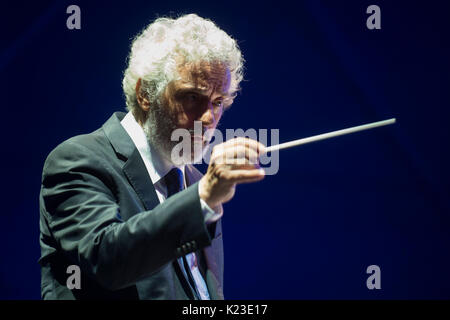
<point x="211" y="215"/>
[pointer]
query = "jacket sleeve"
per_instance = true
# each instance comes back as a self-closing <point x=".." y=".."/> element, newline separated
<point x="80" y="208"/>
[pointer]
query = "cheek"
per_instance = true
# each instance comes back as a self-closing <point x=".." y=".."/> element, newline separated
<point x="181" y="120"/>
<point x="184" y="119"/>
<point x="178" y="114"/>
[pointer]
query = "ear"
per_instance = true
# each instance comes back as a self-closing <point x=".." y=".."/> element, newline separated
<point x="141" y="97"/>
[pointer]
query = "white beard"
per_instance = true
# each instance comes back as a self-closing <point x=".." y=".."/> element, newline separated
<point x="159" y="128"/>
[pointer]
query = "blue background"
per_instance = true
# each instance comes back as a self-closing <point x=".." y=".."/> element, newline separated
<point x="334" y="208"/>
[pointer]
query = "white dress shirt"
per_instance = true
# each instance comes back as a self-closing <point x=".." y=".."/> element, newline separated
<point x="157" y="168"/>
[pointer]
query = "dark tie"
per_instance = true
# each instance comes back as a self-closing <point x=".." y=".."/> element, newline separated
<point x="174" y="183"/>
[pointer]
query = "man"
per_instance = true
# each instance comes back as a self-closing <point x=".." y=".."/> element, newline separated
<point x="139" y="222"/>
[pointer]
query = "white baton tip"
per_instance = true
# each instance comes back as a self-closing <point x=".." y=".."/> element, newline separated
<point x="328" y="135"/>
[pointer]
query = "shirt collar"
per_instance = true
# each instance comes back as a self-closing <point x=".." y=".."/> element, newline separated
<point x="156" y="165"/>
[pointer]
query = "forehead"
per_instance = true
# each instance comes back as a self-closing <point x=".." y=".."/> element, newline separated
<point x="204" y="76"/>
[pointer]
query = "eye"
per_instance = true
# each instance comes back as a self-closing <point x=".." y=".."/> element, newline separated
<point x="192" y="97"/>
<point x="218" y="103"/>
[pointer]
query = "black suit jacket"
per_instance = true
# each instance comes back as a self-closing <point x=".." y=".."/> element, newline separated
<point x="99" y="210"/>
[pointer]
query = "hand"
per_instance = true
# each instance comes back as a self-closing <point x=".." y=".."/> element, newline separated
<point x="232" y="162"/>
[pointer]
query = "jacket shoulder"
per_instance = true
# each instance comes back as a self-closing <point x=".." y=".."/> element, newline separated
<point x="86" y="148"/>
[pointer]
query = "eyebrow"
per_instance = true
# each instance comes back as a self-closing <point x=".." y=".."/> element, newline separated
<point x="201" y="91"/>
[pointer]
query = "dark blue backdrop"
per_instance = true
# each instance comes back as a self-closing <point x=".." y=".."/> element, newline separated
<point x="335" y="207"/>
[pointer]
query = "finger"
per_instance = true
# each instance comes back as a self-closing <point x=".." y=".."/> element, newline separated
<point x="241" y="176"/>
<point x="241" y="153"/>
<point x="246" y="142"/>
<point x="236" y="164"/>
<point x="242" y="181"/>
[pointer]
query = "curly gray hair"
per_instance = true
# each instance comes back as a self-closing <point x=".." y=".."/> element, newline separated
<point x="156" y="50"/>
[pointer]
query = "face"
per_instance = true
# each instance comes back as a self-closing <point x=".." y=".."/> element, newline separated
<point x="201" y="94"/>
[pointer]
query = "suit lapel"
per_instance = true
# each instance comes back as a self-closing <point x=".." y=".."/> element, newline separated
<point x="134" y="168"/>
<point x="135" y="171"/>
